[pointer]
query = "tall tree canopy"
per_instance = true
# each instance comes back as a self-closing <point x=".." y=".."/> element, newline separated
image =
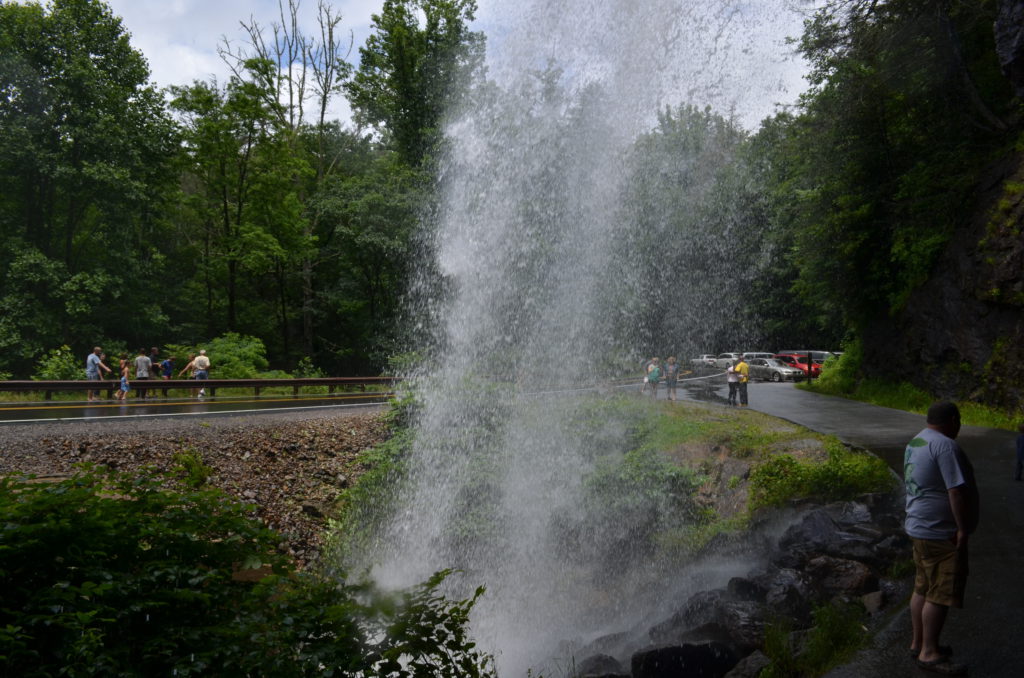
<point x="85" y="146"/>
<point x="409" y="72"/>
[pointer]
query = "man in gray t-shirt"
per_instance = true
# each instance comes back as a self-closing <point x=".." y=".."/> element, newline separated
<point x="942" y="510"/>
<point x="143" y="366"/>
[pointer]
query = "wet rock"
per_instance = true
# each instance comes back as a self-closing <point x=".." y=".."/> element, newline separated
<point x="747" y="589"/>
<point x="741" y="621"/>
<point x="703" y="660"/>
<point x="600" y="666"/>
<point x="841" y="577"/>
<point x="873" y="602"/>
<point x="848" y="513"/>
<point x="788" y="593"/>
<point x="750" y="666"/>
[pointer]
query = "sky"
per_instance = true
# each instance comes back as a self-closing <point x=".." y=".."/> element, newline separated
<point x="179" y="38"/>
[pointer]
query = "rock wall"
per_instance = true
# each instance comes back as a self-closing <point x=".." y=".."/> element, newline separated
<point x="961" y="335"/>
<point x="1009" y="33"/>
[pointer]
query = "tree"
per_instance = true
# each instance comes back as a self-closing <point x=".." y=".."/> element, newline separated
<point x="244" y="216"/>
<point x="907" y="97"/>
<point x="410" y="74"/>
<point x="85" y="155"/>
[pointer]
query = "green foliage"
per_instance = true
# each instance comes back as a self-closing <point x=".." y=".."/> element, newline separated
<point x="189" y="467"/>
<point x="846" y="474"/>
<point x="837" y="633"/>
<point x="110" y="574"/>
<point x="85" y="164"/>
<point x="840" y="376"/>
<point x="410" y="72"/>
<point x="60" y="364"/>
<point x="364" y="509"/>
<point x="306" y="369"/>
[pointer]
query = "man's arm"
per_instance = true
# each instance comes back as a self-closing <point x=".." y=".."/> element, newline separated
<point x="958" y="504"/>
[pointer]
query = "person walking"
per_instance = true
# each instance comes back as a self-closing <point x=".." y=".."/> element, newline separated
<point x="202" y="365"/>
<point x="941" y="512"/>
<point x="93" y="365"/>
<point x="671" y="377"/>
<point x="143" y="367"/>
<point x="122" y="392"/>
<point x="191" y="369"/>
<point x="647" y="367"/>
<point x="743" y="372"/>
<point x="733" y="379"/>
<point x="654" y="376"/>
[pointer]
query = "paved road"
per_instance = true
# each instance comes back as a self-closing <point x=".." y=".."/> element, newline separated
<point x="986" y="634"/>
<point x="42" y="412"/>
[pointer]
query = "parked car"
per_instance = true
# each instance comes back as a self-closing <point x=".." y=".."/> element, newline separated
<point x="725" y="359"/>
<point x="703" y="360"/>
<point x="799" y="361"/>
<point x="750" y="355"/>
<point x="770" y="369"/>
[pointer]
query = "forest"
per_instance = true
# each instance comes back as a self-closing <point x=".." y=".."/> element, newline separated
<point x="131" y="216"/>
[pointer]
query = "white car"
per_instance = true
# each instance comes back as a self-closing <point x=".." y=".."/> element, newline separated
<point x="725" y="359"/>
<point x="703" y="360"/>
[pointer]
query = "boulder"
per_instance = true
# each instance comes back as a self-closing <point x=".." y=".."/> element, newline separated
<point x="702" y="660"/>
<point x="600" y="666"/>
<point x="750" y="666"/>
<point x="741" y="621"/>
<point x="841" y="577"/>
<point x="789" y="593"/>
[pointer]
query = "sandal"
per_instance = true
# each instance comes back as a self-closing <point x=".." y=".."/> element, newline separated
<point x="944" y="666"/>
<point x="944" y="650"/>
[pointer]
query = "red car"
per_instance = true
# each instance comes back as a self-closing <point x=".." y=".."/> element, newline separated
<point x="799" y="361"/>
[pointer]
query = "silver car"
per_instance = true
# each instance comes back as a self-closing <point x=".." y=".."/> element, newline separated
<point x="770" y="369"/>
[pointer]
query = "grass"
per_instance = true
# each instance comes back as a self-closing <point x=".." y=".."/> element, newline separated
<point x="909" y="398"/>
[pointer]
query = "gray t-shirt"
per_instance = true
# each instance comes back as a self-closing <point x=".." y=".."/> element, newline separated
<point x="142" y="367"/>
<point x="932" y="465"/>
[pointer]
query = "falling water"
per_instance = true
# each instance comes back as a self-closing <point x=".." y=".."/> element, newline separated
<point x="540" y="289"/>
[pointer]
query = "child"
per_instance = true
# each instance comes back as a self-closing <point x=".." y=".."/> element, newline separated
<point x="125" y="386"/>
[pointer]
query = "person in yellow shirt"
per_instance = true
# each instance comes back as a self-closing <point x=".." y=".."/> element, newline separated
<point x="743" y="370"/>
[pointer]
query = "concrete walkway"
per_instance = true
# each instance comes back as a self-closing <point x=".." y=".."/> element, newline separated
<point x="988" y="634"/>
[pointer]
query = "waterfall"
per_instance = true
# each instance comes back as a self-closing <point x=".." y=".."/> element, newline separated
<point x="541" y="277"/>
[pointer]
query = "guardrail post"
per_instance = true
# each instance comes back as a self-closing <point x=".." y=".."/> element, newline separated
<point x="256" y="389"/>
<point x="49" y="395"/>
<point x="295" y="389"/>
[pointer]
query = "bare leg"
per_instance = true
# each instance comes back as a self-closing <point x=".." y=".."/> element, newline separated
<point x="933" y="617"/>
<point x="916" y="605"/>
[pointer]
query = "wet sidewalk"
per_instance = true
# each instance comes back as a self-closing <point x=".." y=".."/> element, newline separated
<point x="987" y="634"/>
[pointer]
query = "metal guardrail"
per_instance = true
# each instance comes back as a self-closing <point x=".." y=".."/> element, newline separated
<point x="211" y="385"/>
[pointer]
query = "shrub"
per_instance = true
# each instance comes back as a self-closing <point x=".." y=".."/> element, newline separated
<point x="60" y="364"/>
<point x="112" y="574"/>
<point x="846" y="474"/>
<point x="836" y="634"/>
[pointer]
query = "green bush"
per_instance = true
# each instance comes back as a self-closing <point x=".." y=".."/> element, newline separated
<point x="111" y="574"/>
<point x="61" y="364"/>
<point x="846" y="474"/>
<point x="837" y="633"/>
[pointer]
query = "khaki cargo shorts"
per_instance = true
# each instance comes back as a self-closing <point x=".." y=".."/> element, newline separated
<point x="941" y="572"/>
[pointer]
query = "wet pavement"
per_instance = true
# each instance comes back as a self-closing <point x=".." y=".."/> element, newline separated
<point x="984" y="634"/>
